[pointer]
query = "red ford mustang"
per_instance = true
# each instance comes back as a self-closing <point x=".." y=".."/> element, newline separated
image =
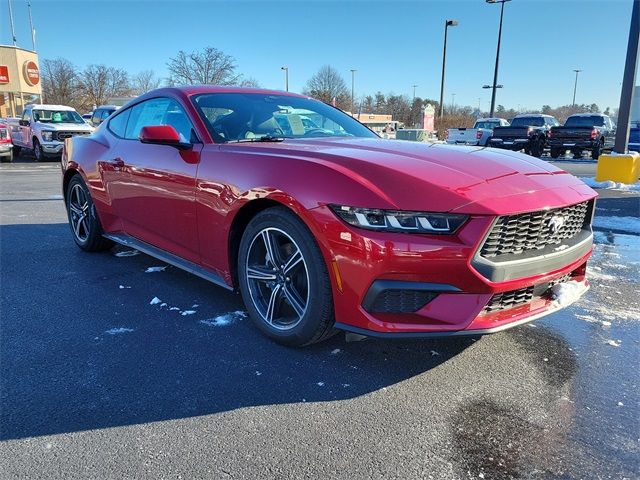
<point x="322" y="225"/>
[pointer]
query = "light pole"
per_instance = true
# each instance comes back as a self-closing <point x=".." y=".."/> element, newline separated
<point x="447" y="24"/>
<point x="353" y="89"/>
<point x="575" y="86"/>
<point x="286" y="78"/>
<point x="414" y="93"/>
<point x="495" y="72"/>
<point x="453" y="101"/>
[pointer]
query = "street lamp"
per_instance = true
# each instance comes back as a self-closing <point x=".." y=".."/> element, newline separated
<point x="453" y="101"/>
<point x="447" y="24"/>
<point x="353" y="84"/>
<point x="286" y="77"/>
<point x="575" y="86"/>
<point x="495" y="72"/>
<point x="414" y="93"/>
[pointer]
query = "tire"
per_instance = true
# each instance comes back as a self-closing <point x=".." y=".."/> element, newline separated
<point x="288" y="299"/>
<point x="537" y="147"/>
<point x="555" y="152"/>
<point x="8" y="158"/>
<point x="83" y="220"/>
<point x="16" y="151"/>
<point x="577" y="154"/>
<point x="597" y="150"/>
<point x="37" y="150"/>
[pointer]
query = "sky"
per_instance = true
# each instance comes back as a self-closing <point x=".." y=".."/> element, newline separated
<point x="392" y="44"/>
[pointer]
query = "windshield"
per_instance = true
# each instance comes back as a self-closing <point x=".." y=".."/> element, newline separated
<point x="57" y="116"/>
<point x="528" y="122"/>
<point x="232" y="117"/>
<point x="590" y="121"/>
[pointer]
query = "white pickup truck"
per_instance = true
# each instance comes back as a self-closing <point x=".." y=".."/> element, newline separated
<point x="43" y="129"/>
<point x="478" y="135"/>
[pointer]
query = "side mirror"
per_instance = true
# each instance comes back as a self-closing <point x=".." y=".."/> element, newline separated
<point x="163" y="135"/>
<point x="24" y="123"/>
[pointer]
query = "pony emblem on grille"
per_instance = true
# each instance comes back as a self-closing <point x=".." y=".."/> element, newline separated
<point x="555" y="223"/>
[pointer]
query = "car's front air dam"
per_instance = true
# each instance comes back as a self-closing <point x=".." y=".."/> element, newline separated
<point x="363" y="257"/>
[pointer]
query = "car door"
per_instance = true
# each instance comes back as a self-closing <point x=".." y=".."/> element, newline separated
<point x="156" y="190"/>
<point x="24" y="138"/>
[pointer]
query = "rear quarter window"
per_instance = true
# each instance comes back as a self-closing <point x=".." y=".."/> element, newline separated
<point x="118" y="124"/>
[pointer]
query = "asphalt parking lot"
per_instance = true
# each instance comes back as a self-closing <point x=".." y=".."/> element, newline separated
<point x="97" y="382"/>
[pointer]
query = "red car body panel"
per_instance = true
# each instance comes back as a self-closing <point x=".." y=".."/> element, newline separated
<point x="185" y="202"/>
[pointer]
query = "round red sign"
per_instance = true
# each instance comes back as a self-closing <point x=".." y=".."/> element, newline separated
<point x="31" y="72"/>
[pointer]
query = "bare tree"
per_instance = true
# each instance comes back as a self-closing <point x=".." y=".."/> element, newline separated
<point x="210" y="66"/>
<point x="326" y="85"/>
<point x="59" y="82"/>
<point x="250" y="82"/>
<point x="144" y="82"/>
<point x="98" y="83"/>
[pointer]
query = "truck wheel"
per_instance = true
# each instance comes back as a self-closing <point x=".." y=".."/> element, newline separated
<point x="16" y="150"/>
<point x="8" y="158"/>
<point x="577" y="154"/>
<point x="556" y="152"/>
<point x="597" y="150"/>
<point x="537" y="147"/>
<point x="37" y="150"/>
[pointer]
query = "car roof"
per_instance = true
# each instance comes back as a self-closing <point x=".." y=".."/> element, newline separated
<point x="533" y="115"/>
<point x="588" y="115"/>
<point x="490" y="119"/>
<point x="190" y="90"/>
<point x="51" y="107"/>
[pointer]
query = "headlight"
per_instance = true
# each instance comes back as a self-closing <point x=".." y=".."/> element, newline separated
<point x="47" y="136"/>
<point x="400" y="221"/>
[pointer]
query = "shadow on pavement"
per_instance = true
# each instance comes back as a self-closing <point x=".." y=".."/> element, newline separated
<point x="62" y="371"/>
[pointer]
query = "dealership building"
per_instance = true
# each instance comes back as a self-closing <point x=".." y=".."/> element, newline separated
<point x="20" y="82"/>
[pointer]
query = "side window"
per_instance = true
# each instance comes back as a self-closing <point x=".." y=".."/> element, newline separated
<point x="118" y="124"/>
<point x="105" y="114"/>
<point x="95" y="119"/>
<point x="26" y="115"/>
<point x="159" y="111"/>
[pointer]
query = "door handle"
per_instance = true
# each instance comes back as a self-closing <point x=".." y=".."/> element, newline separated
<point x="116" y="162"/>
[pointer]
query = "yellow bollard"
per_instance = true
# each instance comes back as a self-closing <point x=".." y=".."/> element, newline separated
<point x="618" y="167"/>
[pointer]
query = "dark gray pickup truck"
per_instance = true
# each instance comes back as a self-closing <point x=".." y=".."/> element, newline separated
<point x="585" y="131"/>
<point x="527" y="132"/>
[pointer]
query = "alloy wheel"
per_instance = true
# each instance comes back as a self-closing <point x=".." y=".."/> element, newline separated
<point x="79" y="213"/>
<point x="277" y="278"/>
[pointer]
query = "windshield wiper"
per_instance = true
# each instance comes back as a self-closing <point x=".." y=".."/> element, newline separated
<point x="264" y="138"/>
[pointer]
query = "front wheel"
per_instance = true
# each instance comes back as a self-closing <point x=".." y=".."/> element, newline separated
<point x="284" y="280"/>
<point x="84" y="223"/>
<point x="556" y="152"/>
<point x="537" y="147"/>
<point x="37" y="151"/>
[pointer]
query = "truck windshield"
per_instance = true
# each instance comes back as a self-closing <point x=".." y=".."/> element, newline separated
<point x="590" y="121"/>
<point x="233" y="117"/>
<point x="57" y="116"/>
<point x="528" y="122"/>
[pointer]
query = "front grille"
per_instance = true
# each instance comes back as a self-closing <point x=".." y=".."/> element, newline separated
<point x="515" y="234"/>
<point x="60" y="136"/>
<point x="513" y="298"/>
<point x="401" y="301"/>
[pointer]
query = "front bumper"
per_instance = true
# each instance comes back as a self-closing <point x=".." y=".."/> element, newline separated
<point x="362" y="261"/>
<point x="52" y="148"/>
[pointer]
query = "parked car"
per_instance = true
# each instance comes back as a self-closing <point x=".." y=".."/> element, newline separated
<point x="43" y="129"/>
<point x="584" y="131"/>
<point x="478" y="135"/>
<point x="6" y="147"/>
<point x="87" y="117"/>
<point x="330" y="228"/>
<point x="101" y="113"/>
<point x="527" y="132"/>
<point x="634" y="138"/>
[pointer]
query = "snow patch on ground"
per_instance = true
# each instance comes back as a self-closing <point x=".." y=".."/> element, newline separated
<point x="608" y="184"/>
<point x="595" y="273"/>
<point x="119" y="330"/>
<point x="614" y="343"/>
<point x="123" y="286"/>
<point x="224" y="320"/>
<point x="187" y="312"/>
<point x="155" y="269"/>
<point x="155" y="301"/>
<point x="627" y="224"/>
<point x="128" y="253"/>
<point x="566" y="293"/>
<point x="335" y="351"/>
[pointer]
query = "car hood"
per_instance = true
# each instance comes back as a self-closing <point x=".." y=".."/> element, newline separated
<point x="78" y="127"/>
<point x="435" y="177"/>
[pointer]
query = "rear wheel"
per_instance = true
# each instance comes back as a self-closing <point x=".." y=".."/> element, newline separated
<point x="577" y="154"/>
<point x="84" y="223"/>
<point x="16" y="151"/>
<point x="597" y="150"/>
<point x="8" y="158"/>
<point x="537" y="147"/>
<point x="284" y="280"/>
